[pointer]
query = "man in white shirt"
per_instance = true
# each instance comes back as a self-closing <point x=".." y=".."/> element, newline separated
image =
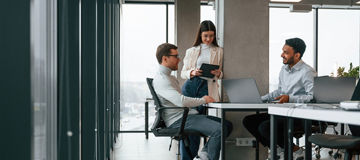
<point x="169" y="91"/>
<point x="296" y="81"/>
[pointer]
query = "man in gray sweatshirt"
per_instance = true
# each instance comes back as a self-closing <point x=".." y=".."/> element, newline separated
<point x="169" y="92"/>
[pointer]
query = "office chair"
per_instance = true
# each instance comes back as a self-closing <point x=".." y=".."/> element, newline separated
<point x="350" y="143"/>
<point x="159" y="128"/>
<point x="316" y="127"/>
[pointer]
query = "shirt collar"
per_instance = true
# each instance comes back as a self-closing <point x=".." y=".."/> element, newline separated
<point x="164" y="70"/>
<point x="297" y="66"/>
<point x="204" y="46"/>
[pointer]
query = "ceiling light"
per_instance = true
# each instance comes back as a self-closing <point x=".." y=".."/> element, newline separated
<point x="285" y="0"/>
<point x="358" y="2"/>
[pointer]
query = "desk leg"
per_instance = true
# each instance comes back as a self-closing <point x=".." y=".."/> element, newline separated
<point x="285" y="138"/>
<point x="307" y="127"/>
<point x="273" y="139"/>
<point x="222" y="134"/>
<point x="290" y="136"/>
<point x="147" y="120"/>
<point x="342" y="129"/>
<point x="257" y="145"/>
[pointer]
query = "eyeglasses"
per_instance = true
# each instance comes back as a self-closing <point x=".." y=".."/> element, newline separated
<point x="176" y="56"/>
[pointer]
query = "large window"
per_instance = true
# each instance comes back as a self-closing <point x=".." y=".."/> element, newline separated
<point x="338" y="40"/>
<point x="284" y="25"/>
<point x="143" y="29"/>
<point x="207" y="12"/>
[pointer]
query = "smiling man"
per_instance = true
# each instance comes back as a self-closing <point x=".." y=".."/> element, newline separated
<point x="296" y="80"/>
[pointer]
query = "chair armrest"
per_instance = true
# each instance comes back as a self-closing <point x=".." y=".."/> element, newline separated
<point x="184" y="117"/>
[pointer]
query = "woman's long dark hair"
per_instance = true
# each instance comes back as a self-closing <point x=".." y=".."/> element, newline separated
<point x="204" y="27"/>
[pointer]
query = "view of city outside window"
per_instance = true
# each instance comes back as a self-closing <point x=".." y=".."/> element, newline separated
<point x="143" y="28"/>
<point x="338" y="40"/>
<point x="284" y="25"/>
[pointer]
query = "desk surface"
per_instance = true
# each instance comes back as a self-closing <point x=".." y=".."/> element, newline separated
<point x="319" y="112"/>
<point x="245" y="106"/>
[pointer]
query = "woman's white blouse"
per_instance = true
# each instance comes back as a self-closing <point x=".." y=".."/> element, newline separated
<point x="204" y="55"/>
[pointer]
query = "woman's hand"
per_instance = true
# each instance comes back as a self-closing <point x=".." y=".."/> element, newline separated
<point x="216" y="72"/>
<point x="196" y="72"/>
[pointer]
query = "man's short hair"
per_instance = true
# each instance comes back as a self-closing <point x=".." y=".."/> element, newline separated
<point x="164" y="50"/>
<point x="297" y="44"/>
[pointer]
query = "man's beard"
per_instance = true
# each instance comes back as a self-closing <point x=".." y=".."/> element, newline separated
<point x="289" y="61"/>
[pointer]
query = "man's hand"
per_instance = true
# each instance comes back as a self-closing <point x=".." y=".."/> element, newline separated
<point x="283" y="98"/>
<point x="209" y="99"/>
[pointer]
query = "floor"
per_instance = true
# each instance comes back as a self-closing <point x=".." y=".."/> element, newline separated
<point x="134" y="146"/>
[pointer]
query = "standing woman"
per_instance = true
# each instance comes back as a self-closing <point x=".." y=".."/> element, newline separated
<point x="205" y="50"/>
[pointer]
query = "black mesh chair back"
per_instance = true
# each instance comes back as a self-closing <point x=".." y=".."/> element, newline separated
<point x="159" y="128"/>
<point x="159" y="122"/>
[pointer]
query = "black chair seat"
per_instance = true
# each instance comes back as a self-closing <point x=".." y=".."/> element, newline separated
<point x="336" y="141"/>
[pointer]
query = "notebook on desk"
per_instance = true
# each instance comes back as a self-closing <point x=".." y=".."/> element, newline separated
<point x="333" y="90"/>
<point x="243" y="90"/>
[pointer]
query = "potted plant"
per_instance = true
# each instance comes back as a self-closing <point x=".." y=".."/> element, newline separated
<point x="352" y="72"/>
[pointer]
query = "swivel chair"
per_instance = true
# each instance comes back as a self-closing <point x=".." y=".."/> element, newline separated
<point x="159" y="128"/>
<point x="351" y="144"/>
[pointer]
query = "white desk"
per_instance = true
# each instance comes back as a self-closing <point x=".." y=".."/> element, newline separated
<point x="244" y="106"/>
<point x="318" y="112"/>
<point x="233" y="107"/>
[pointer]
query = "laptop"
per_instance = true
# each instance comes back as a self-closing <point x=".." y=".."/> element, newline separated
<point x="354" y="104"/>
<point x="243" y="90"/>
<point x="333" y="90"/>
<point x="356" y="94"/>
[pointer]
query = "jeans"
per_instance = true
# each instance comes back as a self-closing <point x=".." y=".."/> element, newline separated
<point x="194" y="87"/>
<point x="209" y="126"/>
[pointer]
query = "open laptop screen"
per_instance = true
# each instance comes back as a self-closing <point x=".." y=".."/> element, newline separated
<point x="356" y="94"/>
<point x="242" y="90"/>
<point x="333" y="89"/>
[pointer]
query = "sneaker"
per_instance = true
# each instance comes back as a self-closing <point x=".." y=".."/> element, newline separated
<point x="203" y="155"/>
<point x="279" y="153"/>
<point x="197" y="158"/>
<point x="299" y="154"/>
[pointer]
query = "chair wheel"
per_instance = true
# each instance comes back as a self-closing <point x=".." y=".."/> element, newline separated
<point x="300" y="158"/>
<point x="331" y="152"/>
<point x="317" y="148"/>
<point x="337" y="155"/>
